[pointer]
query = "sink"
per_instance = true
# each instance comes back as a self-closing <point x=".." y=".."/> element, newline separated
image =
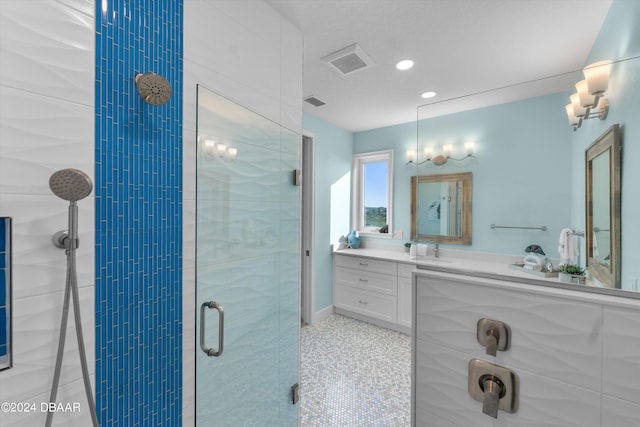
<point x="429" y="260"/>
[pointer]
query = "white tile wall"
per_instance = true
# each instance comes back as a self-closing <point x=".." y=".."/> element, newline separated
<point x="46" y="124"/>
<point x="619" y="413"/>
<point x="48" y="48"/>
<point x="560" y="338"/>
<point x="576" y="354"/>
<point x="256" y="61"/>
<point x="621" y="354"/>
<point x="543" y="401"/>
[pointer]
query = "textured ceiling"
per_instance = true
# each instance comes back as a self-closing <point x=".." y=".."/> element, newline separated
<point x="460" y="47"/>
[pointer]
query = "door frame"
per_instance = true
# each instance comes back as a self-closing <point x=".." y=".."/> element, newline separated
<point x="307" y="225"/>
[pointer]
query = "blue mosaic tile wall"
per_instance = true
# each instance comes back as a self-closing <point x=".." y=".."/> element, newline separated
<point x="138" y="189"/>
<point x="5" y="284"/>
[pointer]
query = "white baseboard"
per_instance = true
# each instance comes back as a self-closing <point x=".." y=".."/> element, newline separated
<point x="319" y="316"/>
<point x="372" y="320"/>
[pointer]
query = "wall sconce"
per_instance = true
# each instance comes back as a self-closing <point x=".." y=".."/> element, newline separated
<point x="440" y="159"/>
<point x="588" y="94"/>
<point x="211" y="147"/>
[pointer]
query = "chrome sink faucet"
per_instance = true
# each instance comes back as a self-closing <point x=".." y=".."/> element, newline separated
<point x="436" y="251"/>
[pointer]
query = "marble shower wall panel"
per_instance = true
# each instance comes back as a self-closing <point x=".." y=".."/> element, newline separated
<point x="40" y="135"/>
<point x="46" y="123"/>
<point x="39" y="267"/>
<point x="37" y="343"/>
<point x="48" y="49"/>
<point x="621" y="347"/>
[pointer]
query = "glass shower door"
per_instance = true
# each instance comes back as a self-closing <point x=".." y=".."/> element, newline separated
<point x="248" y="252"/>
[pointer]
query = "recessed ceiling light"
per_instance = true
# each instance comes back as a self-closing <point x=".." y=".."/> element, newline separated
<point x="404" y="64"/>
<point x="429" y="94"/>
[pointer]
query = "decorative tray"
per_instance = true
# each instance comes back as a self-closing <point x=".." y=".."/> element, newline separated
<point x="535" y="273"/>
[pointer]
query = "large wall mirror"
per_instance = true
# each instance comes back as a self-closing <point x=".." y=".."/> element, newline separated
<point x="603" y="207"/>
<point x="441" y="208"/>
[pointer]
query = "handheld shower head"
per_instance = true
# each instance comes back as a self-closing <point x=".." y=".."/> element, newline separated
<point x="70" y="184"/>
<point x="153" y="88"/>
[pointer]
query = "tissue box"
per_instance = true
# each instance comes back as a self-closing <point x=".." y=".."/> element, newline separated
<point x="422" y="249"/>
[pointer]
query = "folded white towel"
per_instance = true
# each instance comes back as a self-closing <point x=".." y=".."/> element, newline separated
<point x="567" y="247"/>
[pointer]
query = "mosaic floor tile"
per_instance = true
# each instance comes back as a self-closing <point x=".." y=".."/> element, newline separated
<point x="354" y="374"/>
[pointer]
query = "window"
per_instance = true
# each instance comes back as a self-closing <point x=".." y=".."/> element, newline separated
<point x="372" y="191"/>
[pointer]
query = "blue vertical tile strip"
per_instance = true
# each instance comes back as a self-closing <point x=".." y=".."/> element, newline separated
<point x="138" y="216"/>
<point x="5" y="292"/>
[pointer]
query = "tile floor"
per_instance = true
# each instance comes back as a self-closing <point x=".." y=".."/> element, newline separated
<point x="354" y="374"/>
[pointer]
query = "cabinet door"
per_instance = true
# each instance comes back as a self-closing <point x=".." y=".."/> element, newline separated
<point x="404" y="302"/>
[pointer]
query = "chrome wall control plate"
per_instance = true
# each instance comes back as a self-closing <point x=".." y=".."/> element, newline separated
<point x="509" y="397"/>
<point x="486" y="326"/>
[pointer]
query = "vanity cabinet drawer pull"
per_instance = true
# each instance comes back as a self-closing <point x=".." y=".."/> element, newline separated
<point x="363" y="302"/>
<point x="364" y="264"/>
<point x="364" y="280"/>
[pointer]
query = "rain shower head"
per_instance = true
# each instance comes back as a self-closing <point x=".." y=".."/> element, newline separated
<point x="153" y="88"/>
<point x="70" y="184"/>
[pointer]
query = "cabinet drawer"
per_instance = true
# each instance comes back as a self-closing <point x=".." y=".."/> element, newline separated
<point x="366" y="264"/>
<point x="404" y="270"/>
<point x="364" y="302"/>
<point x="369" y="281"/>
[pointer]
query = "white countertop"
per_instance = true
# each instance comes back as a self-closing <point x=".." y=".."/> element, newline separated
<point x="488" y="266"/>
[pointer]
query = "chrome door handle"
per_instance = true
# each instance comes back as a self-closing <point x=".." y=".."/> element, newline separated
<point x="210" y="351"/>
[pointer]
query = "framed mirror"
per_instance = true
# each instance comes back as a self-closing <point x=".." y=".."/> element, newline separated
<point x="441" y="208"/>
<point x="603" y="175"/>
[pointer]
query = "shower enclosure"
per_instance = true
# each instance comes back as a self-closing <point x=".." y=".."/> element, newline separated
<point x="248" y="252"/>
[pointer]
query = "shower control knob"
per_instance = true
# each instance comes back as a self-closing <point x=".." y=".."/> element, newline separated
<point x="494" y="335"/>
<point x="495" y="386"/>
<point x="493" y="390"/>
<point x="492" y="338"/>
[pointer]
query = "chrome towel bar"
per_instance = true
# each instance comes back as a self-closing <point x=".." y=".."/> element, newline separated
<point x="542" y="227"/>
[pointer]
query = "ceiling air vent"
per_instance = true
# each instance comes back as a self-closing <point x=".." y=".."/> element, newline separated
<point x="314" y="101"/>
<point x="349" y="60"/>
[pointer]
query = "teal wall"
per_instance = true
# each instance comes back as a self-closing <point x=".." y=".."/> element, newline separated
<point x="528" y="170"/>
<point x="333" y="151"/>
<point x="522" y="176"/>
<point x="399" y="138"/>
<point x="619" y="38"/>
<point x="521" y="173"/>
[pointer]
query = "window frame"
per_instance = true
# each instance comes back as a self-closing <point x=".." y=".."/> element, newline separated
<point x="357" y="199"/>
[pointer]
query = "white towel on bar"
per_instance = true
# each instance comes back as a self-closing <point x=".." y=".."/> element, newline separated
<point x="595" y="246"/>
<point x="567" y="247"/>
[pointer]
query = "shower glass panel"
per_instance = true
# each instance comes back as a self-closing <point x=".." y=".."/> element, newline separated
<point x="248" y="252"/>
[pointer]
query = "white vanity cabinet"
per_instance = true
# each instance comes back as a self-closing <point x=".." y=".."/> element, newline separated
<point x="560" y="350"/>
<point x="404" y="294"/>
<point x="374" y="290"/>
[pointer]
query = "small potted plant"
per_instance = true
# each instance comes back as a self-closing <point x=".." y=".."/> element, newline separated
<point x="571" y="273"/>
<point x="407" y="247"/>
